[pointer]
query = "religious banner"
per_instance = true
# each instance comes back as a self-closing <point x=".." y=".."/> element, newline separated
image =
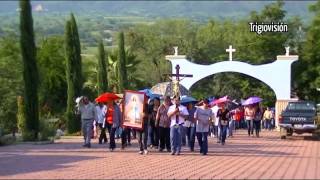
<point x="133" y="109"/>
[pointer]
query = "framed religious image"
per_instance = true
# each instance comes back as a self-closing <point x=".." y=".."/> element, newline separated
<point x="133" y="108"/>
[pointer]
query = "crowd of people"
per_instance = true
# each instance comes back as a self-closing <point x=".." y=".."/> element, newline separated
<point x="168" y="125"/>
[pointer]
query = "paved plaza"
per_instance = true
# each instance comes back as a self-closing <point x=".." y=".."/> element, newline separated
<point x="243" y="157"/>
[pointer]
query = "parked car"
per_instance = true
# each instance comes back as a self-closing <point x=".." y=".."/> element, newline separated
<point x="298" y="117"/>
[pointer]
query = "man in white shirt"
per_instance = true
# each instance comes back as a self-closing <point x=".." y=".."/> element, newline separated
<point x="88" y="114"/>
<point x="177" y="114"/>
<point x="100" y="119"/>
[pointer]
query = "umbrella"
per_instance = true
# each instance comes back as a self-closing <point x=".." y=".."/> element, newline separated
<point x="233" y="105"/>
<point x="188" y="99"/>
<point x="166" y="89"/>
<point x="150" y="94"/>
<point x="220" y="100"/>
<point x="107" y="97"/>
<point x="252" y="100"/>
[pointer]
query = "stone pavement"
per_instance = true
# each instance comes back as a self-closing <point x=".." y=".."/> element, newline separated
<point x="243" y="157"/>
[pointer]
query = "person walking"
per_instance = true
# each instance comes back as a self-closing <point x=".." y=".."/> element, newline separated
<point x="153" y="134"/>
<point x="177" y="113"/>
<point x="126" y="131"/>
<point x="87" y="111"/>
<point x="231" y="126"/>
<point x="203" y="116"/>
<point x="101" y="114"/>
<point x="249" y="115"/>
<point x="224" y="116"/>
<point x="237" y="118"/>
<point x="163" y="123"/>
<point x="190" y="128"/>
<point x="216" y="129"/>
<point x="142" y="134"/>
<point x="267" y="117"/>
<point x="257" y="120"/>
<point x="113" y="119"/>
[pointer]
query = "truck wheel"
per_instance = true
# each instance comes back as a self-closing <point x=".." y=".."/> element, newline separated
<point x="289" y="132"/>
<point x="283" y="133"/>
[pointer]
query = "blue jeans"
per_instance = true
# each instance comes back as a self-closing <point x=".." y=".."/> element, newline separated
<point x="203" y="142"/>
<point x="268" y="124"/>
<point x="250" y="126"/>
<point x="231" y="127"/>
<point x="175" y="138"/>
<point x="190" y="132"/>
<point x="87" y="127"/>
<point x="237" y="124"/>
<point x="223" y="133"/>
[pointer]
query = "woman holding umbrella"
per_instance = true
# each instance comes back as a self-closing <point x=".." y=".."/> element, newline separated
<point x="250" y="112"/>
<point x="190" y="122"/>
<point x="113" y="116"/>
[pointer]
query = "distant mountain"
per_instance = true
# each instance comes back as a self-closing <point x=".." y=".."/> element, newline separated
<point x="160" y="9"/>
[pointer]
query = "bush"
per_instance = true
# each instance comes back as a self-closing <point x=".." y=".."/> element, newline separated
<point x="47" y="130"/>
<point x="6" y="140"/>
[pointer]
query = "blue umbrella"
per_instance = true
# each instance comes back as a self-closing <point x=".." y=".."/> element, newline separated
<point x="150" y="94"/>
<point x="188" y="99"/>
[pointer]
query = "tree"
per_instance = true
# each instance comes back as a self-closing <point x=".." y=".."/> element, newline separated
<point x="122" y="72"/>
<point x="102" y="66"/>
<point x="134" y="79"/>
<point x="30" y="70"/>
<point x="73" y="71"/>
<point x="52" y="70"/>
<point x="11" y="80"/>
<point x="307" y="70"/>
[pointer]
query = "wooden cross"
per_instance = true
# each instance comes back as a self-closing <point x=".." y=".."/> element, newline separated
<point x="178" y="75"/>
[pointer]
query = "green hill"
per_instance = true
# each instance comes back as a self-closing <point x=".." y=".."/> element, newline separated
<point x="199" y="10"/>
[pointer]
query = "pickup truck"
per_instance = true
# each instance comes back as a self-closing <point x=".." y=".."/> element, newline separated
<point x="299" y="117"/>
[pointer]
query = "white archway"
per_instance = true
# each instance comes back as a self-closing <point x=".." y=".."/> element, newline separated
<point x="276" y="75"/>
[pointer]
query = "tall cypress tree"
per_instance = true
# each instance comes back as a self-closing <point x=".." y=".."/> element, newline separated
<point x="122" y="71"/>
<point x="102" y="73"/>
<point x="73" y="72"/>
<point x="30" y="70"/>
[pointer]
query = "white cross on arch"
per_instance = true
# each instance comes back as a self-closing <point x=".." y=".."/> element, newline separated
<point x="230" y="50"/>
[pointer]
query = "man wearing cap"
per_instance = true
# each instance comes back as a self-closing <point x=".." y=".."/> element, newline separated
<point x="177" y="114"/>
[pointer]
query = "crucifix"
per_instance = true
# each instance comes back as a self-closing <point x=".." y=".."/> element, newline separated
<point x="177" y="80"/>
<point x="230" y="50"/>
